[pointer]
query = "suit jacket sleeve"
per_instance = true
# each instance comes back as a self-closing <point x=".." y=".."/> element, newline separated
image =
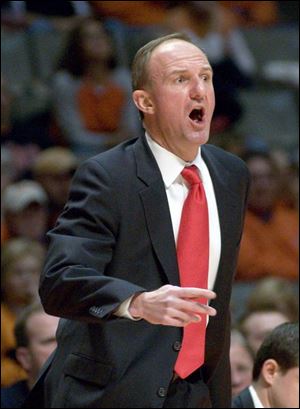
<point x="73" y="284"/>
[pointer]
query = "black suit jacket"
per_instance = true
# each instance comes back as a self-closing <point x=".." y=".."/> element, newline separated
<point x="14" y="395"/>
<point x="115" y="238"/>
<point x="243" y="400"/>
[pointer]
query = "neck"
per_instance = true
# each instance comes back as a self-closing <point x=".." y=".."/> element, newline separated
<point x="262" y="393"/>
<point x="187" y="153"/>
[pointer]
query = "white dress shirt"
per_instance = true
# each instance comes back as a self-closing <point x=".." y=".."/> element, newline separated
<point x="255" y="398"/>
<point x="177" y="190"/>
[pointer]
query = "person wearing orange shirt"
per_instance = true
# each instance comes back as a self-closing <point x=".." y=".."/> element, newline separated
<point x="269" y="244"/>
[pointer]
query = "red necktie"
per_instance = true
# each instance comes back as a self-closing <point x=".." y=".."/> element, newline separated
<point x="192" y="256"/>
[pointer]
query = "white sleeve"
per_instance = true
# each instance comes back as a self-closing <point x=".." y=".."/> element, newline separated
<point x="123" y="310"/>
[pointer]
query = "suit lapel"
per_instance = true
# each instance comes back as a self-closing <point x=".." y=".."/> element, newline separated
<point x="226" y="205"/>
<point x="156" y="208"/>
<point x="247" y="399"/>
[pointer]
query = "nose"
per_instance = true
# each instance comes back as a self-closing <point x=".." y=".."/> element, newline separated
<point x="197" y="91"/>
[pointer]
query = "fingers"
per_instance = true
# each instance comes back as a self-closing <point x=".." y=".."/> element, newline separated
<point x="172" y="305"/>
<point x="192" y="292"/>
<point x="193" y="306"/>
<point x="184" y="317"/>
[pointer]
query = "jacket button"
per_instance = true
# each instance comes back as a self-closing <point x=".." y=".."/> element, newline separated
<point x="162" y="392"/>
<point x="177" y="346"/>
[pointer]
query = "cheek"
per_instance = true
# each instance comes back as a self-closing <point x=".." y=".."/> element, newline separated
<point x="41" y="354"/>
<point x="170" y="113"/>
<point x="212" y="99"/>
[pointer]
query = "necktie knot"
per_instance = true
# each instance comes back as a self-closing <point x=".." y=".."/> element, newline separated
<point x="191" y="175"/>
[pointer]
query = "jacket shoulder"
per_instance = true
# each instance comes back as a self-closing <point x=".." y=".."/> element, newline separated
<point x="227" y="159"/>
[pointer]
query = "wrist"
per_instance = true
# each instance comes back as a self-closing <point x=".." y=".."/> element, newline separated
<point x="135" y="306"/>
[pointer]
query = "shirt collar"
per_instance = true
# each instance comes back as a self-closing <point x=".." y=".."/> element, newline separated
<point x="169" y="164"/>
<point x="255" y="398"/>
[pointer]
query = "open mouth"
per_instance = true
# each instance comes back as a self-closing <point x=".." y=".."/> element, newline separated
<point x="197" y="115"/>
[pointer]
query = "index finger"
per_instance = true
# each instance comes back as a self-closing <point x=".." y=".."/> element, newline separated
<point x="193" y="292"/>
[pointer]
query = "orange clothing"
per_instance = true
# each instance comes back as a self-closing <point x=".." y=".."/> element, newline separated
<point x="4" y="232"/>
<point x="270" y="248"/>
<point x="101" y="109"/>
<point x="141" y="13"/>
<point x="11" y="371"/>
<point x="253" y="13"/>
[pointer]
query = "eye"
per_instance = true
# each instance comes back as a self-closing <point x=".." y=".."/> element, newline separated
<point x="180" y="80"/>
<point x="206" y="77"/>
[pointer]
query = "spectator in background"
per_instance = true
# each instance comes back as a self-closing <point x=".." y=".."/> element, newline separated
<point x="43" y="16"/>
<point x="135" y="13"/>
<point x="6" y="104"/>
<point x="256" y="325"/>
<point x="253" y="13"/>
<point x="21" y="265"/>
<point x="269" y="244"/>
<point x="8" y="172"/>
<point x="91" y="96"/>
<point x="276" y="372"/>
<point x="288" y="168"/>
<point x="53" y="169"/>
<point x="8" y="175"/>
<point x="213" y="30"/>
<point x="272" y="302"/>
<point x="35" y="341"/>
<point x="24" y="207"/>
<point x="241" y="362"/>
<point x="22" y="136"/>
<point x="274" y="293"/>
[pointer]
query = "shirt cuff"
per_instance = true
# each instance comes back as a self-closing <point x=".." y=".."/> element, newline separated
<point x="123" y="310"/>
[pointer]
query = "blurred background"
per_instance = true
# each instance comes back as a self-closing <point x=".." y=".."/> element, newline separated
<point x="66" y="96"/>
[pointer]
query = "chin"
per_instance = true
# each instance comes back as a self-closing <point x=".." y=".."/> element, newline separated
<point x="199" y="138"/>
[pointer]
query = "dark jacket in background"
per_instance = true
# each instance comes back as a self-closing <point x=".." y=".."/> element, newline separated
<point x="243" y="400"/>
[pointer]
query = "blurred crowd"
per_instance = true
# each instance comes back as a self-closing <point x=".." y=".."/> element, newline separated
<point x="66" y="96"/>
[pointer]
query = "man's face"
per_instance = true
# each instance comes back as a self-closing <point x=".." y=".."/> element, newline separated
<point x="21" y="280"/>
<point x="41" y="329"/>
<point x="182" y="96"/>
<point x="259" y="324"/>
<point x="262" y="195"/>
<point x="30" y="222"/>
<point x="285" y="389"/>
<point x="241" y="363"/>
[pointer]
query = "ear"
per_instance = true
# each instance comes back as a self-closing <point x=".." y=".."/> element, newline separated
<point x="24" y="358"/>
<point x="269" y="371"/>
<point x="143" y="101"/>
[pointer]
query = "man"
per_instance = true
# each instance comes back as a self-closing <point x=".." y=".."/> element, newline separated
<point x="53" y="169"/>
<point x="241" y="362"/>
<point x="275" y="373"/>
<point x="35" y="337"/>
<point x="112" y="268"/>
<point x="25" y="211"/>
<point x="270" y="245"/>
<point x="257" y="324"/>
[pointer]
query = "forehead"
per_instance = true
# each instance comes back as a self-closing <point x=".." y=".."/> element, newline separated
<point x="40" y="323"/>
<point x="177" y="54"/>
